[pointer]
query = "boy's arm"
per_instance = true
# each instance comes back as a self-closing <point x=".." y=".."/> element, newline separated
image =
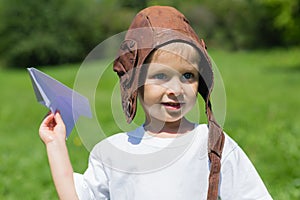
<point x="53" y="133"/>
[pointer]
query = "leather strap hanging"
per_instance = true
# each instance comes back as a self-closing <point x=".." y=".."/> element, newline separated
<point x="216" y="139"/>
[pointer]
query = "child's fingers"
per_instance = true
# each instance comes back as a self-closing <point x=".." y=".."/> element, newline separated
<point x="49" y="118"/>
<point x="46" y="128"/>
<point x="58" y="118"/>
<point x="52" y="128"/>
<point x="59" y="121"/>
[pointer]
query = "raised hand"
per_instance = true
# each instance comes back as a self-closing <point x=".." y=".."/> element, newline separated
<point x="52" y="128"/>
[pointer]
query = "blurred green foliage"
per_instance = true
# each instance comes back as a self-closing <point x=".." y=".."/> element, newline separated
<point x="49" y="32"/>
<point x="45" y="32"/>
<point x="285" y="15"/>
<point x="57" y="31"/>
<point x="245" y="24"/>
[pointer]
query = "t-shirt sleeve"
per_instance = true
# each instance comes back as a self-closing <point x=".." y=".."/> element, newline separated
<point x="239" y="178"/>
<point x="93" y="184"/>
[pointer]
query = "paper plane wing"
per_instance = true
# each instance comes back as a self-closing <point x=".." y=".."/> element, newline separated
<point x="40" y="96"/>
<point x="58" y="97"/>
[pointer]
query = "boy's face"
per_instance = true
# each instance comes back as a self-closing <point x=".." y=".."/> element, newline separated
<point x="170" y="89"/>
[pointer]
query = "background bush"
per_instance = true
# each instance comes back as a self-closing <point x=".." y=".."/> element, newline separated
<point x="52" y="32"/>
<point x="246" y="24"/>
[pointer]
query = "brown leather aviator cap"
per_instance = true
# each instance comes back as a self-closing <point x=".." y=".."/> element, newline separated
<point x="152" y="28"/>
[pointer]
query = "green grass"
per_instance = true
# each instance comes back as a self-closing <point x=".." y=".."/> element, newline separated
<point x="262" y="89"/>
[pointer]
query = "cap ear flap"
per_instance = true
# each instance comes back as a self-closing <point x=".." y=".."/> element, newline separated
<point x="126" y="58"/>
<point x="125" y="66"/>
<point x="216" y="140"/>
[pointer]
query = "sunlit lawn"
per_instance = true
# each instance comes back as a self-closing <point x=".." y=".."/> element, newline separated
<point x="262" y="89"/>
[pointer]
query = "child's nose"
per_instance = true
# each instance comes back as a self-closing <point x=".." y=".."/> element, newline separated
<point x="174" y="87"/>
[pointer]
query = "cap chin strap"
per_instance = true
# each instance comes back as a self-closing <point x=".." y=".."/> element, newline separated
<point x="215" y="147"/>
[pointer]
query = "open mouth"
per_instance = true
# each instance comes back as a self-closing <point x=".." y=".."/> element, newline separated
<point x="172" y="105"/>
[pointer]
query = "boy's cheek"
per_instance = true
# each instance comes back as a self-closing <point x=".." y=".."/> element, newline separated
<point x="151" y="87"/>
<point x="191" y="88"/>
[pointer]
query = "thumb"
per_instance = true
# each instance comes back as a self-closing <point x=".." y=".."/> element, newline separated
<point x="60" y="123"/>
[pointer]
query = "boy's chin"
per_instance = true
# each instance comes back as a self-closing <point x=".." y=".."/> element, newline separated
<point x="166" y="120"/>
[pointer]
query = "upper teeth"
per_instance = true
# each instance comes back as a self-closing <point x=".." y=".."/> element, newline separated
<point x="173" y="104"/>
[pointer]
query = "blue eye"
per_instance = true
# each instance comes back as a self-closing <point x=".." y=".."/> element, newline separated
<point x="188" y="76"/>
<point x="160" y="76"/>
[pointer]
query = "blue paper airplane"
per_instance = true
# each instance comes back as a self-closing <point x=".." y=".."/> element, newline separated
<point x="58" y="97"/>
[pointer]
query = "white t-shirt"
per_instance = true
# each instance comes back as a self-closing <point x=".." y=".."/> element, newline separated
<point x="138" y="166"/>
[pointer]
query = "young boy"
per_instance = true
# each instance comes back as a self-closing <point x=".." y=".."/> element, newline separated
<point x="162" y="62"/>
